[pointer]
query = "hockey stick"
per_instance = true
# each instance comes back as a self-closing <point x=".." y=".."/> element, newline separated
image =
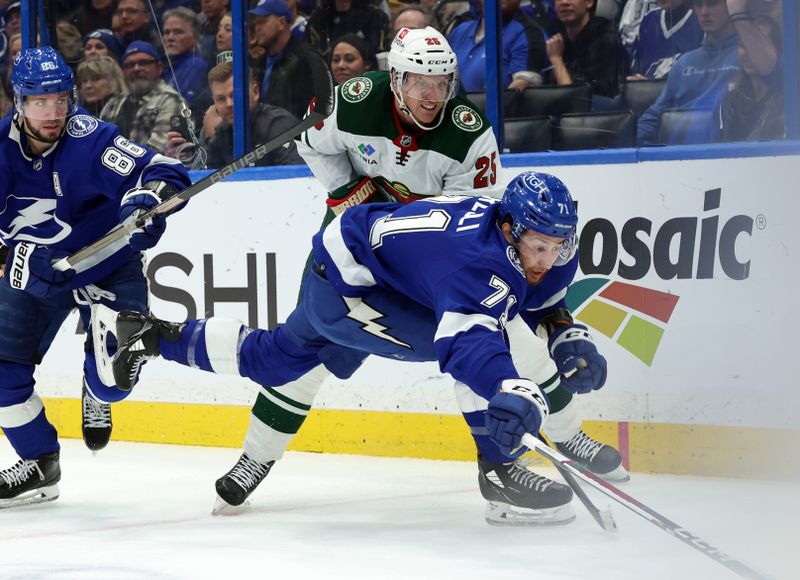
<point x="323" y="106"/>
<point x="642" y="510"/>
<point x="604" y="518"/>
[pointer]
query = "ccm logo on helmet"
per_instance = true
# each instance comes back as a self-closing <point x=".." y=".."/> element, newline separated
<point x="438" y="61"/>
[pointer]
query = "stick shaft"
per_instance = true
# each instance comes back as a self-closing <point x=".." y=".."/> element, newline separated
<point x="642" y="510"/>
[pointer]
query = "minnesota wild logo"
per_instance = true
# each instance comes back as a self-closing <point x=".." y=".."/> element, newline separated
<point x="356" y="89"/>
<point x="466" y="118"/>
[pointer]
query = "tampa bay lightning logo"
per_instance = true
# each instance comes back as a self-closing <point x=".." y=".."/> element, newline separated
<point x="81" y="125"/>
<point x="34" y="220"/>
<point x="513" y="257"/>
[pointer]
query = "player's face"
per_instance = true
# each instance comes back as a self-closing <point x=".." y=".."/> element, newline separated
<point x="94" y="47"/>
<point x="225" y="34"/>
<point x="178" y="37"/>
<point x="346" y="62"/>
<point x="426" y="95"/>
<point x="537" y="252"/>
<point x="45" y="116"/>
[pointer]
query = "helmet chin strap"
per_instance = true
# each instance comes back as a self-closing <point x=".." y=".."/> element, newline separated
<point x="22" y="127"/>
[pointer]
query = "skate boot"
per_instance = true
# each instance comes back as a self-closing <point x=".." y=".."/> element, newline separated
<point x="137" y="337"/>
<point x="30" y="481"/>
<point x="517" y="496"/>
<point x="235" y="487"/>
<point x="600" y="459"/>
<point x="96" y="425"/>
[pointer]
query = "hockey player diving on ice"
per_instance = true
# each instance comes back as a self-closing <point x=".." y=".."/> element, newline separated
<point x="442" y="279"/>
<point x="66" y="179"/>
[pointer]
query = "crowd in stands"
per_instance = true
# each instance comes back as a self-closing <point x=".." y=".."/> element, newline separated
<point x="612" y="72"/>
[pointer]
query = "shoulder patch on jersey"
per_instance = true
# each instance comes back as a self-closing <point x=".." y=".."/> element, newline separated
<point x="467" y="118"/>
<point x="513" y="257"/>
<point x="356" y="89"/>
<point x="81" y="125"/>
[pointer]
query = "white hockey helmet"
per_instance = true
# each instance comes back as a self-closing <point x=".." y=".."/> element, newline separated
<point x="422" y="51"/>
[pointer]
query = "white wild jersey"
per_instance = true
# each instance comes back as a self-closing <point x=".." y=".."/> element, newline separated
<point x="364" y="136"/>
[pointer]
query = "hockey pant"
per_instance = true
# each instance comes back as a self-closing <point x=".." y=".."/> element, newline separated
<point x="28" y="326"/>
<point x="324" y="334"/>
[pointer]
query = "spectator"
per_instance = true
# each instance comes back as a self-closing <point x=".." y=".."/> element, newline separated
<point x="161" y="7"/>
<point x="224" y="38"/>
<point x="586" y="49"/>
<point x="93" y="15"/>
<point x="412" y="16"/>
<point x="299" y="21"/>
<point x="762" y="52"/>
<point x="351" y="57"/>
<point x="133" y="22"/>
<point x="700" y="78"/>
<point x="266" y="122"/>
<point x="143" y="115"/>
<point x="631" y="19"/>
<point x="12" y="19"/>
<point x="209" y="19"/>
<point x="334" y="18"/>
<point x="101" y="42"/>
<point x="753" y="110"/>
<point x="98" y="79"/>
<point x="14" y="46"/>
<point x="286" y="74"/>
<point x="522" y="51"/>
<point x="664" y="34"/>
<point x="187" y="72"/>
<point x="69" y="42"/>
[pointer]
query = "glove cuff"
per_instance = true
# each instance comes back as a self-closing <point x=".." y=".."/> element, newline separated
<point x="529" y="391"/>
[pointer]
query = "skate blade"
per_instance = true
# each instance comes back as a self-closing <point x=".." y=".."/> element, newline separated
<point x="503" y="514"/>
<point x="33" y="497"/>
<point x="618" y="475"/>
<point x="223" y="508"/>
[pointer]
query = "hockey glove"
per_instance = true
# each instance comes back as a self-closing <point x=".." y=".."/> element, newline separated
<point x="359" y="190"/>
<point x="582" y="368"/>
<point x="29" y="268"/>
<point x="519" y="408"/>
<point x="134" y="203"/>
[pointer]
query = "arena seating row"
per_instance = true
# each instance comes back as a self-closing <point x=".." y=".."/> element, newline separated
<point x="555" y="100"/>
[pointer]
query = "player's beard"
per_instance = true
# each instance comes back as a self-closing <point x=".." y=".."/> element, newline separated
<point x="36" y="134"/>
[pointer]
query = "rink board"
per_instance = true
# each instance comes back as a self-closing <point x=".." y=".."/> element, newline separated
<point x="687" y="282"/>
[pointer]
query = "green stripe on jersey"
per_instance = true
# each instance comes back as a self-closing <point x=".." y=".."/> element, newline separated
<point x="277" y="417"/>
<point x="371" y="116"/>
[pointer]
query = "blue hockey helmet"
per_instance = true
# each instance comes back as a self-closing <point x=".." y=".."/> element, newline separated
<point x="42" y="71"/>
<point x="540" y="202"/>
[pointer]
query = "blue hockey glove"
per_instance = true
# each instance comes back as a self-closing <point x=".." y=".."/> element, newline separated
<point x="134" y="203"/>
<point x="29" y="268"/>
<point x="519" y="408"/>
<point x="582" y="368"/>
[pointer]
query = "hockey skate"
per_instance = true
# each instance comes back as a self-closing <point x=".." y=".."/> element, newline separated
<point x="235" y="487"/>
<point x="30" y="481"/>
<point x="137" y="339"/>
<point x="600" y="459"/>
<point x="96" y="424"/>
<point x="517" y="496"/>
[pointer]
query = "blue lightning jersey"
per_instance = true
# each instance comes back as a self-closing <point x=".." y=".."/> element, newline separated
<point x="449" y="255"/>
<point x="69" y="196"/>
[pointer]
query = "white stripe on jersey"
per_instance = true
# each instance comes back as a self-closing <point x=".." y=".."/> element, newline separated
<point x="353" y="273"/>
<point x="21" y="414"/>
<point x="453" y="323"/>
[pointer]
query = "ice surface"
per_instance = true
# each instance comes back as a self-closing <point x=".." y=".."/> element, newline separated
<point x="143" y="511"/>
